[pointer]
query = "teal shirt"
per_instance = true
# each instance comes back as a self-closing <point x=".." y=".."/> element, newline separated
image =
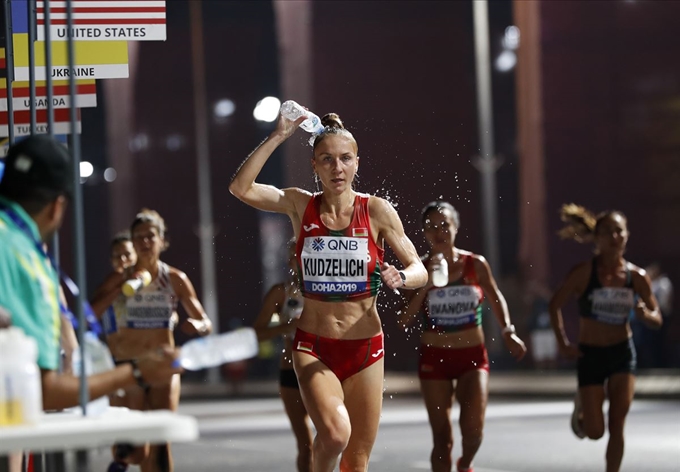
<point x="29" y="286"/>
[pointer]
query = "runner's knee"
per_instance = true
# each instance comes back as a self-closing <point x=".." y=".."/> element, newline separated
<point x="593" y="431"/>
<point x="616" y="425"/>
<point x="443" y="436"/>
<point x="472" y="429"/>
<point x="335" y="437"/>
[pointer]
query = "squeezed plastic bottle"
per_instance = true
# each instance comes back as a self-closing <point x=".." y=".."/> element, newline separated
<point x="293" y="110"/>
<point x="218" y="349"/>
<point x="294" y="308"/>
<point x="440" y="270"/>
<point x="20" y="390"/>
<point x="134" y="285"/>
<point x="98" y="359"/>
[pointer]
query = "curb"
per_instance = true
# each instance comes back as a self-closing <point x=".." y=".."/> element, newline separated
<point x="660" y="384"/>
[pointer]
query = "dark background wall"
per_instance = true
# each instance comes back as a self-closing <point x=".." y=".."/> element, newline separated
<point x="401" y="75"/>
<point x="611" y="83"/>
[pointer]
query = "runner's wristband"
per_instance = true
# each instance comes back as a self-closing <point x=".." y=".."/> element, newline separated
<point x="510" y="329"/>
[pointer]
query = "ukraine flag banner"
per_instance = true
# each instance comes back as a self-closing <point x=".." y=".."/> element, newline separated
<point x="93" y="59"/>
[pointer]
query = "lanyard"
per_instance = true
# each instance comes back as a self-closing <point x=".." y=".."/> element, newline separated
<point x="90" y="317"/>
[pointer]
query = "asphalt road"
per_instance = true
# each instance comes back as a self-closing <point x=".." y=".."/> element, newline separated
<point x="520" y="436"/>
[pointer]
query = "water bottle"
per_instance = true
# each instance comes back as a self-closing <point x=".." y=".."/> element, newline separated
<point x="218" y="349"/>
<point x="134" y="285"/>
<point x="98" y="359"/>
<point x="293" y="110"/>
<point x="20" y="387"/>
<point x="294" y="308"/>
<point x="440" y="270"/>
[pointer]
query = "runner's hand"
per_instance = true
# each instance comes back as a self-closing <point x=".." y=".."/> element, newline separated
<point x="390" y="276"/>
<point x="285" y="127"/>
<point x="194" y="327"/>
<point x="570" y="351"/>
<point x="515" y="345"/>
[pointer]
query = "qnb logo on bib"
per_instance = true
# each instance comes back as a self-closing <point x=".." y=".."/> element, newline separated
<point x="612" y="305"/>
<point x="335" y="264"/>
<point x="453" y="306"/>
<point x="318" y="244"/>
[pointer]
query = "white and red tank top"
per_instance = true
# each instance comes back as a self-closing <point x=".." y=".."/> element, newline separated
<point x="338" y="265"/>
<point x="151" y="307"/>
<point x="458" y="305"/>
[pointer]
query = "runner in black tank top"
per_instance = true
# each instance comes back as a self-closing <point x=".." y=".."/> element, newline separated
<point x="609" y="290"/>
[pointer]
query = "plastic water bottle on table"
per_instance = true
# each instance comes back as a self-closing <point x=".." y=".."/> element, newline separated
<point x="20" y="387"/>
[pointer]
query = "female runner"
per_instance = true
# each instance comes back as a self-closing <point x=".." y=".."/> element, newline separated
<point x="338" y="346"/>
<point x="452" y="342"/>
<point x="145" y="321"/>
<point x="609" y="289"/>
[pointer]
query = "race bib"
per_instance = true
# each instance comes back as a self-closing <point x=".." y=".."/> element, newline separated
<point x="149" y="310"/>
<point x="335" y="265"/>
<point x="453" y="306"/>
<point x="612" y="305"/>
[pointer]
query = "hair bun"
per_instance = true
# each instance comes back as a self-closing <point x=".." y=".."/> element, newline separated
<point x="332" y="120"/>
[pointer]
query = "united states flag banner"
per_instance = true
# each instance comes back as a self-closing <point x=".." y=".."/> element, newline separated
<point x="105" y="20"/>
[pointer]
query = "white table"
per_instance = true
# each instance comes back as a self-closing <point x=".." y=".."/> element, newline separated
<point x="72" y="431"/>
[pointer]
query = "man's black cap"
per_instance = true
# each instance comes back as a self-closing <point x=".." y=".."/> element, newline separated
<point x="40" y="163"/>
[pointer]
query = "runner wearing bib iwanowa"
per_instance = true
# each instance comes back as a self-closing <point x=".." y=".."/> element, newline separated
<point x="451" y="309"/>
<point x="457" y="306"/>
<point x="146" y="319"/>
<point x="342" y="265"/>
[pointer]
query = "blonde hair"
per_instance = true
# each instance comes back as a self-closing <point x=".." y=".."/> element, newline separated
<point x="581" y="223"/>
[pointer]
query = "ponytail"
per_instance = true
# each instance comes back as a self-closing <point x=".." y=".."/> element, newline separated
<point x="579" y="222"/>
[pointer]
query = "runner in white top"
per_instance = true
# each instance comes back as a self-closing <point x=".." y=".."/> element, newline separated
<point x="145" y="321"/>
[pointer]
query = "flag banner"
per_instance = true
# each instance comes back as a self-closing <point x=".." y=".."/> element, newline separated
<point x="22" y="122"/>
<point x="86" y="95"/>
<point x="105" y="20"/>
<point x="93" y="59"/>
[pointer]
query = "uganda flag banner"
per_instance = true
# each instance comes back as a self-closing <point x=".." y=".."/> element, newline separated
<point x="86" y="95"/>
